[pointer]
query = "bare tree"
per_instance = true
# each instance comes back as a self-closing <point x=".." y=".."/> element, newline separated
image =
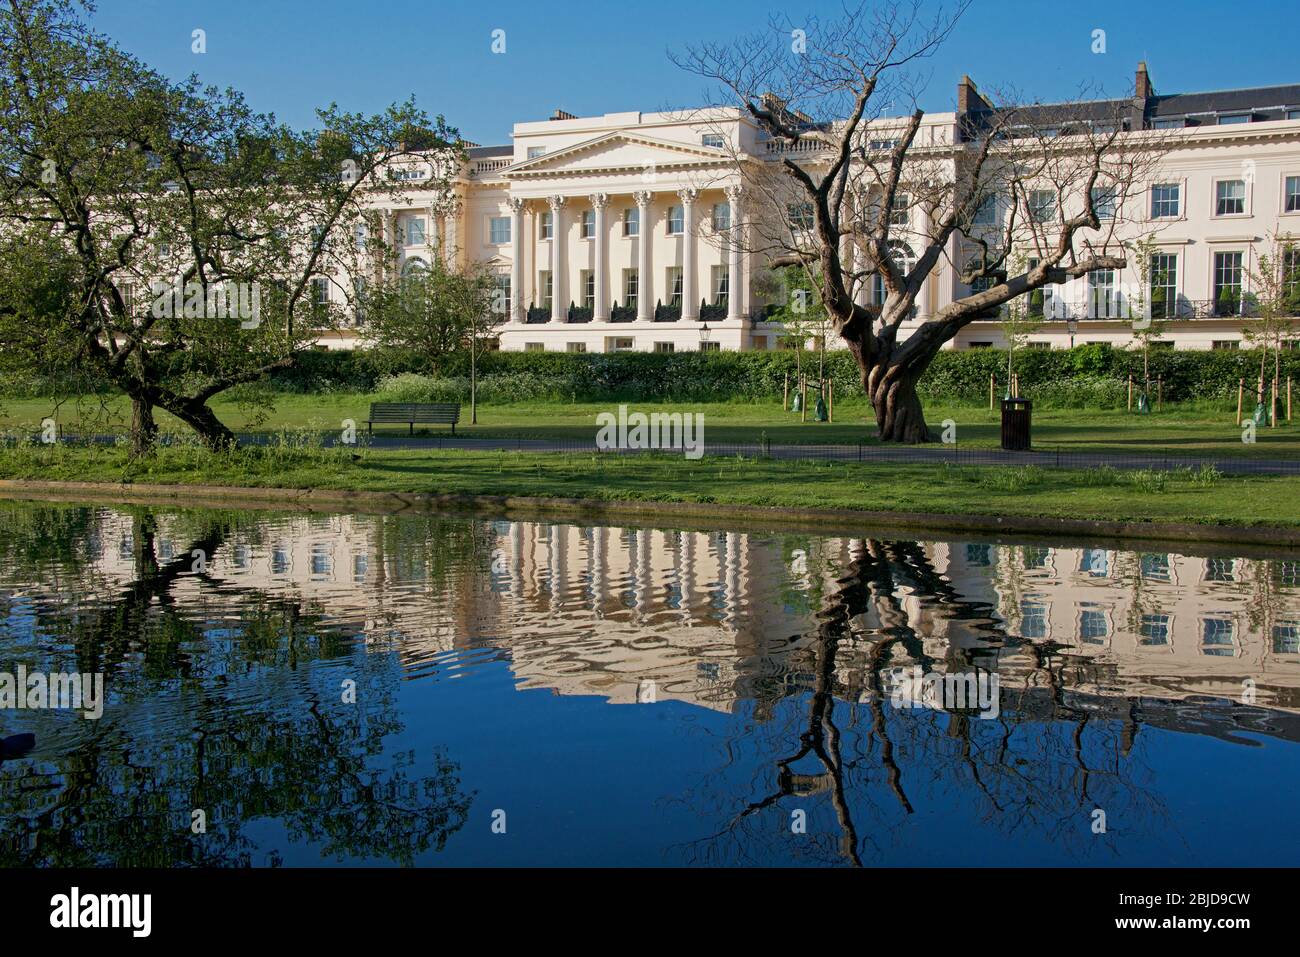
<point x="874" y="205"/>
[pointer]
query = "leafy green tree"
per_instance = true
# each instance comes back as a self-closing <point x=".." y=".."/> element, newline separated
<point x="158" y="203"/>
<point x="1275" y="301"/>
<point x="438" y="311"/>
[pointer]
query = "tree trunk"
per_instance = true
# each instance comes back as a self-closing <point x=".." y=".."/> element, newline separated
<point x="144" y="430"/>
<point x="212" y="432"/>
<point x="892" y="390"/>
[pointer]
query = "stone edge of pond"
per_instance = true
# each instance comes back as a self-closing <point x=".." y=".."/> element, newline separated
<point x="772" y="517"/>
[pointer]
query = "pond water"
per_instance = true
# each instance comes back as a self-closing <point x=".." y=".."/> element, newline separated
<point x="364" y="689"/>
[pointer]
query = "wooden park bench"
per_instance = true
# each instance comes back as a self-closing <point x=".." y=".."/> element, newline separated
<point x="425" y="413"/>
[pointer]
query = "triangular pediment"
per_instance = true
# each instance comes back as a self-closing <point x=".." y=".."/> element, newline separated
<point x="619" y="151"/>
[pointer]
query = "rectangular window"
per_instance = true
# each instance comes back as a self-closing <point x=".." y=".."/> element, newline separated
<point x="359" y="300"/>
<point x="536" y="151"/>
<point x="415" y="231"/>
<point x="1033" y="619"/>
<point x="1292" y="194"/>
<point x="986" y="214"/>
<point x="544" y="283"/>
<point x="501" y="293"/>
<point x="1229" y="197"/>
<point x="1042" y="205"/>
<point x="676" y="221"/>
<point x="1164" y="284"/>
<point x="547" y="226"/>
<point x="1222" y="345"/>
<point x="1216" y="637"/>
<point x="588" y="224"/>
<point x="1153" y="630"/>
<point x="674" y="276"/>
<point x="1232" y="119"/>
<point x="900" y="210"/>
<point x="576" y="347"/>
<point x="714" y="140"/>
<point x="632" y="222"/>
<point x="1169" y="123"/>
<point x="1286" y="637"/>
<point x="721" y="217"/>
<point x="801" y="215"/>
<point x="320" y="291"/>
<point x="499" y="230"/>
<point x="1093" y="629"/>
<point x="721" y="285"/>
<point x="1103" y="303"/>
<point x="663" y="347"/>
<point x="1095" y="562"/>
<point x="1154" y="567"/>
<point x="1227" y="283"/>
<point x="631" y="286"/>
<point x="587" y="282"/>
<point x="360" y="234"/>
<point x="622" y="345"/>
<point x="534" y="347"/>
<point x="1165" y="200"/>
<point x="1104" y="201"/>
<point x="710" y="347"/>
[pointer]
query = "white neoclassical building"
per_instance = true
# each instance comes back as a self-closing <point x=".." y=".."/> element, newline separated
<point x="611" y="233"/>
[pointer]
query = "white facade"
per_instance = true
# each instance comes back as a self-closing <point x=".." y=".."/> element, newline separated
<point x="623" y="217"/>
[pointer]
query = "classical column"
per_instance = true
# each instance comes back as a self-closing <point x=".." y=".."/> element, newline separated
<point x="388" y="234"/>
<point x="645" y="304"/>
<point x="690" y="294"/>
<point x="451" y="238"/>
<point x="559" y="307"/>
<point x="598" y="202"/>
<point x="735" y="277"/>
<point x="431" y="232"/>
<point x="516" y="259"/>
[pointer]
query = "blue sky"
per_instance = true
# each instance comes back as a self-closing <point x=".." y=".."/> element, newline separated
<point x="290" y="56"/>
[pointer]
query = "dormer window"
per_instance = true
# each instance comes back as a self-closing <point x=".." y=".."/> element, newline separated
<point x="1231" y="119"/>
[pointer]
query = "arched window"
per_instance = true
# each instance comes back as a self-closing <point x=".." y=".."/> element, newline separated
<point x="414" y="265"/>
<point x="903" y="258"/>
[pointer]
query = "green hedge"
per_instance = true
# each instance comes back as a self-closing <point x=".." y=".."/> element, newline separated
<point x="1087" y="376"/>
<point x="1092" y="375"/>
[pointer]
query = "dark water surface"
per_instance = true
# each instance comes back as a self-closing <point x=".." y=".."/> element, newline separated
<point x="635" y="696"/>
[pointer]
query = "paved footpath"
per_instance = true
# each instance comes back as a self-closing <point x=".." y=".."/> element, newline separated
<point x="912" y="455"/>
<point x="936" y="454"/>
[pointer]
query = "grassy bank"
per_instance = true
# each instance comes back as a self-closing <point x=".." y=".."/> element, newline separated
<point x="1103" y="494"/>
<point x="1190" y="429"/>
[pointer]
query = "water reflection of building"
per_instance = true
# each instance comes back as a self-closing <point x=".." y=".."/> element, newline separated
<point x="708" y="616"/>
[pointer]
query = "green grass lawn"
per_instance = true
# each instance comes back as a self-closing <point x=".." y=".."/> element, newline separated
<point x="1182" y="496"/>
<point x="1190" y="430"/>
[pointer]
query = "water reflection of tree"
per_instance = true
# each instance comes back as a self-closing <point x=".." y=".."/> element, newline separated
<point x="193" y="729"/>
<point x="1040" y="767"/>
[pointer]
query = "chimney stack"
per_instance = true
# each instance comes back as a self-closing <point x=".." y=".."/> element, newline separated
<point x="968" y="98"/>
<point x="1143" y="88"/>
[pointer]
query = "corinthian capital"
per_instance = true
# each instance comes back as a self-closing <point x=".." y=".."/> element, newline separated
<point x="516" y="204"/>
<point x="688" y="196"/>
<point x="643" y="197"/>
<point x="556" y="202"/>
<point x="599" y="200"/>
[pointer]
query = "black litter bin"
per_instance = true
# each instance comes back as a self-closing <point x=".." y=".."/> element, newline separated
<point x="1015" y="424"/>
